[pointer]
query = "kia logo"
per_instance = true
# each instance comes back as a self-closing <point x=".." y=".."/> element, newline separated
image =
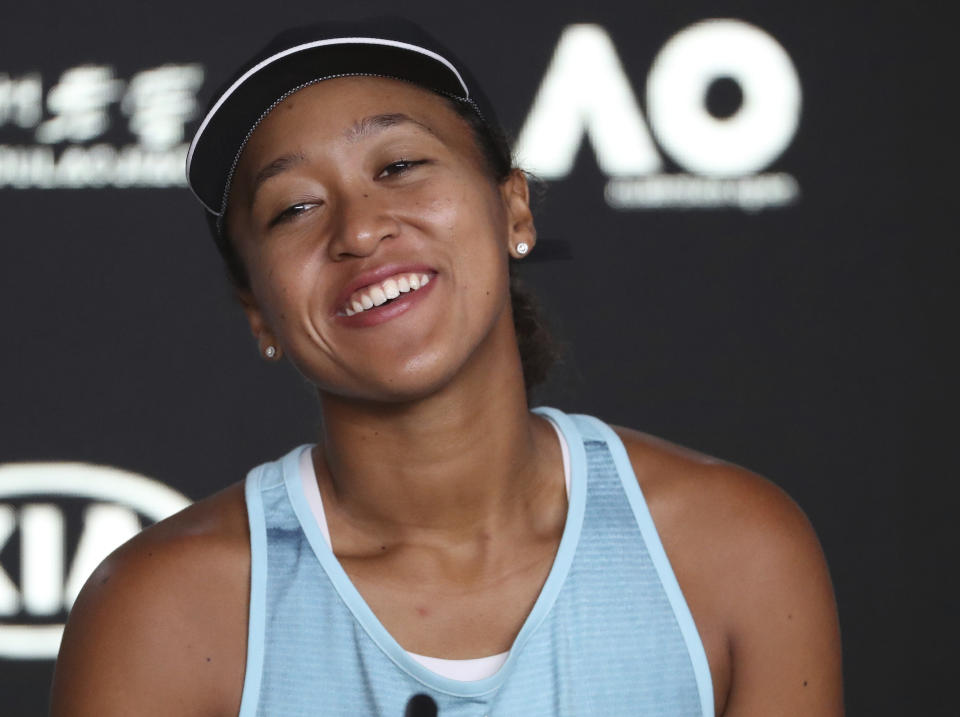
<point x="33" y="497"/>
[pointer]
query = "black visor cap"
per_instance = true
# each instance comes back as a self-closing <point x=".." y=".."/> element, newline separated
<point x="383" y="47"/>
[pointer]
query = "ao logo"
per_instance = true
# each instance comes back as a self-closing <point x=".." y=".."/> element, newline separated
<point x="115" y="500"/>
<point x="586" y="92"/>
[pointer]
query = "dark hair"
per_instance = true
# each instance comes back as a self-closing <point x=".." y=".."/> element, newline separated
<point x="538" y="352"/>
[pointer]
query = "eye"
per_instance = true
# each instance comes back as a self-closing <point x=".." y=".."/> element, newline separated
<point x="400" y="166"/>
<point x="292" y="212"/>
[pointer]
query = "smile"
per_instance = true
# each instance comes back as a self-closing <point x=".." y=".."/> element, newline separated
<point x="383" y="292"/>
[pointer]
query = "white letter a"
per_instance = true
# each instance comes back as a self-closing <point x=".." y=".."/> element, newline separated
<point x="586" y="90"/>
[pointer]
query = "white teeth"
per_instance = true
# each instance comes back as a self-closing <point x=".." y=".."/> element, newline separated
<point x="391" y="289"/>
<point x="379" y="294"/>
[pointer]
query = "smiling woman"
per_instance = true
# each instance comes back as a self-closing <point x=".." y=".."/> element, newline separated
<point x="361" y="200"/>
<point x="440" y="538"/>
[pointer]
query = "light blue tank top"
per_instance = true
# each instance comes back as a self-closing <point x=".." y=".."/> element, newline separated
<point x="610" y="633"/>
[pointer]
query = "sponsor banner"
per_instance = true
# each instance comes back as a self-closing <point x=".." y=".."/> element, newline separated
<point x="58" y="143"/>
<point x="587" y="94"/>
<point x="721" y="145"/>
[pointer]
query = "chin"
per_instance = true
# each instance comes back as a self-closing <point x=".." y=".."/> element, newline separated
<point x="409" y="373"/>
<point x="418" y="379"/>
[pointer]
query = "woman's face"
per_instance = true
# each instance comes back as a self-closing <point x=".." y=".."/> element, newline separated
<point x="355" y="190"/>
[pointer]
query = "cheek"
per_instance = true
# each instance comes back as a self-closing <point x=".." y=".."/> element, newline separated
<point x="477" y="232"/>
<point x="470" y="214"/>
<point x="284" y="285"/>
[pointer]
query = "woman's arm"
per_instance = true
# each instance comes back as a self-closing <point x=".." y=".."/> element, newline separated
<point x="160" y="626"/>
<point x="783" y="631"/>
<point x="754" y="576"/>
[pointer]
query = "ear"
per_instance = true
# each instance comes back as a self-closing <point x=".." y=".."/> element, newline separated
<point x="258" y="324"/>
<point x="516" y="198"/>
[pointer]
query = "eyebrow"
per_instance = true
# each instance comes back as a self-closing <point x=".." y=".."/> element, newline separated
<point x="360" y="129"/>
<point x="378" y="123"/>
<point x="277" y="166"/>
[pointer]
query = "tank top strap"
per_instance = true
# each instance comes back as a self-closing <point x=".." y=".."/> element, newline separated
<point x="583" y="427"/>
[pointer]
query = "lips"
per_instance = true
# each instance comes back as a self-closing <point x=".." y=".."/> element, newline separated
<point x="380" y="293"/>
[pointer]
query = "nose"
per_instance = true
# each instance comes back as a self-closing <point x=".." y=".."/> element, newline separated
<point x="363" y="222"/>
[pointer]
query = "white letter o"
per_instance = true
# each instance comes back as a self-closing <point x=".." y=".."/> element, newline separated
<point x="752" y="137"/>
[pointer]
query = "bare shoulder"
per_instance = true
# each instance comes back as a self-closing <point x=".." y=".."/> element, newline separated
<point x="694" y="493"/>
<point x="754" y="575"/>
<point x="160" y="626"/>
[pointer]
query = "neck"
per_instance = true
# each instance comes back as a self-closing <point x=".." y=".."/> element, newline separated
<point x="456" y="465"/>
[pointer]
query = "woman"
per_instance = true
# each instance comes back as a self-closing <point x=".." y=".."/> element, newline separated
<point x="440" y="538"/>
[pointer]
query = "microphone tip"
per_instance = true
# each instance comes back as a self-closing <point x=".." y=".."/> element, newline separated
<point x="421" y="705"/>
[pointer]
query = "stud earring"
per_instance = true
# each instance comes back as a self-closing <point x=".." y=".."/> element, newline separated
<point x="522" y="248"/>
<point x="270" y="352"/>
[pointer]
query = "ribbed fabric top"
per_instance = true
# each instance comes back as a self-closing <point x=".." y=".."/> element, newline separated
<point x="610" y="633"/>
<point x="469" y="669"/>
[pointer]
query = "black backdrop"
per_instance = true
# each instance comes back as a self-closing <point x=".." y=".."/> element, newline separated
<point x="800" y="340"/>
